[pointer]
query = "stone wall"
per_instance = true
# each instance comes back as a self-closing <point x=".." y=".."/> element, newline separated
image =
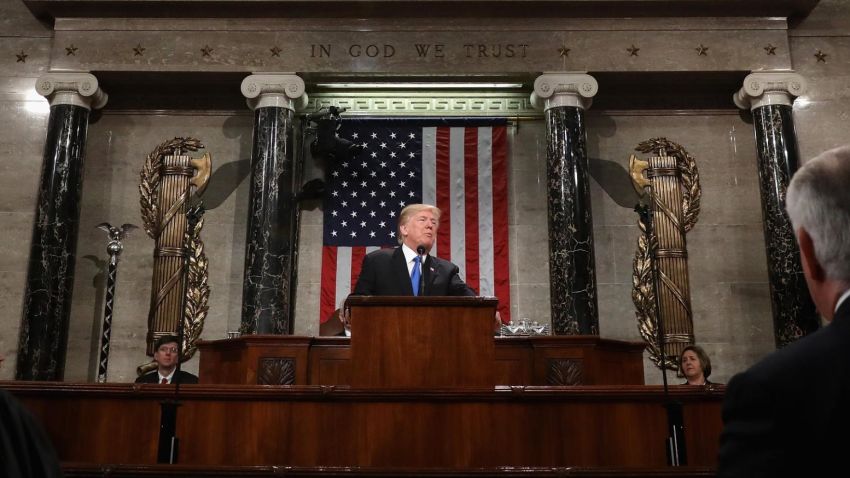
<point x="729" y="288"/>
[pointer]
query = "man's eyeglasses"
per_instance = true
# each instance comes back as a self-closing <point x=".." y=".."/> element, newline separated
<point x="172" y="350"/>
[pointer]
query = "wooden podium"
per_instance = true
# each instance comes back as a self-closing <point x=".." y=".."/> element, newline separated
<point x="422" y="342"/>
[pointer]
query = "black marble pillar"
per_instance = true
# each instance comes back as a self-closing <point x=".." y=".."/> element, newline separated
<point x="50" y="274"/>
<point x="794" y="313"/>
<point x="571" y="259"/>
<point x="271" y="243"/>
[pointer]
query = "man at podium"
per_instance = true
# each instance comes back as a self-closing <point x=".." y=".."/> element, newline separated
<point x="409" y="269"/>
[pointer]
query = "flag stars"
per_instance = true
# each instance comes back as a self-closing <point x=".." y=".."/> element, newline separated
<point x="372" y="173"/>
<point x="344" y="204"/>
<point x="392" y="174"/>
<point x="372" y="193"/>
<point x="410" y="155"/>
<point x="401" y="203"/>
<point x="402" y="164"/>
<point x="362" y="223"/>
<point x="392" y="194"/>
<point x="383" y="164"/>
<point x="392" y="135"/>
<point x="365" y="145"/>
<point x="353" y="233"/>
<point x="392" y="233"/>
<point x="371" y="233"/>
<point x="383" y="145"/>
<point x="354" y="174"/>
<point x="402" y="145"/>
<point x="364" y="164"/>
<point x="344" y="184"/>
<point x="410" y="194"/>
<point x="335" y="194"/>
<point x="333" y="233"/>
<point x="362" y="184"/>
<point x="374" y="135"/>
<point x="392" y="214"/>
<point x="355" y="136"/>
<point x="353" y="213"/>
<point x="344" y="223"/>
<point x="362" y="203"/>
<point x="373" y="155"/>
<point x="372" y="213"/>
<point x="382" y="224"/>
<point x="392" y="154"/>
<point x="334" y="213"/>
<point x="383" y="204"/>
<point x="344" y="165"/>
<point x="411" y="136"/>
<point x="412" y="174"/>
<point x="383" y="184"/>
<point x="335" y="174"/>
<point x="354" y="194"/>
<point x="401" y="184"/>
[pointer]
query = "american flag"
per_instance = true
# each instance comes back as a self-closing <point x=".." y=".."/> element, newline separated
<point x="458" y="165"/>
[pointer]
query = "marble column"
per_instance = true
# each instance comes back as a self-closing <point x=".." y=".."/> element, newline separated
<point x="572" y="270"/>
<point x="50" y="275"/>
<point x="272" y="239"/>
<point x="769" y="96"/>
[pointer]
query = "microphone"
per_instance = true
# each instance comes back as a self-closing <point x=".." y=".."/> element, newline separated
<point x="421" y="251"/>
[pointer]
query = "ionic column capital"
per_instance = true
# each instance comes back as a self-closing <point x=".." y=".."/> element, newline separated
<point x="769" y="88"/>
<point x="285" y="90"/>
<point x="564" y="89"/>
<point x="71" y="88"/>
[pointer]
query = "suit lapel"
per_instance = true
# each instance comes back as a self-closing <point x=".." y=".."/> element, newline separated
<point x="432" y="271"/>
<point x="399" y="266"/>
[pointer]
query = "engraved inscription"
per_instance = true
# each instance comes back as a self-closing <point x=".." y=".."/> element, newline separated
<point x="421" y="50"/>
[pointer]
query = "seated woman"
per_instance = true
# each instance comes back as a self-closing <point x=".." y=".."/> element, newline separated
<point x="695" y="365"/>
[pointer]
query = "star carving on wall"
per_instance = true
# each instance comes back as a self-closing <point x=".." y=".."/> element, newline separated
<point x="633" y="50"/>
<point x="564" y="52"/>
<point x="275" y="51"/>
<point x="821" y="56"/>
<point x="206" y="50"/>
<point x="22" y="57"/>
<point x="702" y="50"/>
<point x="139" y="50"/>
<point x="770" y="49"/>
<point x="71" y="50"/>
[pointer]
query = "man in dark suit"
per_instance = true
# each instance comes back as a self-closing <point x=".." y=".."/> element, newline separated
<point x="785" y="415"/>
<point x="25" y="449"/>
<point x="394" y="271"/>
<point x="166" y="355"/>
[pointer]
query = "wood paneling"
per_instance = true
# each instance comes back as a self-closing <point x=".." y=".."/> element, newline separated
<point x="310" y="426"/>
<point x="518" y="360"/>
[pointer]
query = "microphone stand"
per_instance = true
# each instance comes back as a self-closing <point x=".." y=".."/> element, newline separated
<point x="675" y="441"/>
<point x="422" y="256"/>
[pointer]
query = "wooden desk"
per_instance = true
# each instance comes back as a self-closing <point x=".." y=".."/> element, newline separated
<point x="543" y="360"/>
<point x="310" y="426"/>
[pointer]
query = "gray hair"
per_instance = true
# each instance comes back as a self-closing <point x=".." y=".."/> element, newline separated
<point x="410" y="210"/>
<point x="818" y="200"/>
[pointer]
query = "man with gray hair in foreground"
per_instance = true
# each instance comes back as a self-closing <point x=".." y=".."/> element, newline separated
<point x="784" y="416"/>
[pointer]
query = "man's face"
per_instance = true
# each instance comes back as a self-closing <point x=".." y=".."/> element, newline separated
<point x="166" y="355"/>
<point x="420" y="230"/>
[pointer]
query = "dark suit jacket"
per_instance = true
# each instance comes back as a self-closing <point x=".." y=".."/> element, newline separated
<point x="781" y="416"/>
<point x="25" y="449"/>
<point x="182" y="377"/>
<point x="384" y="272"/>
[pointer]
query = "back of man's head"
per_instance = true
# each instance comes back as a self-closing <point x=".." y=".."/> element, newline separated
<point x="818" y="200"/>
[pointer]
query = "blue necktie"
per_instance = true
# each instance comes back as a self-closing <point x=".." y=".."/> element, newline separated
<point x="414" y="277"/>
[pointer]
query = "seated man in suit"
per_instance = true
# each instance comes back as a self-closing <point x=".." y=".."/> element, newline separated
<point x="394" y="271"/>
<point x="166" y="355"/>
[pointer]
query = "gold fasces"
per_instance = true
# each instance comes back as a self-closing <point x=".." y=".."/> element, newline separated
<point x="660" y="282"/>
<point x="179" y="285"/>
